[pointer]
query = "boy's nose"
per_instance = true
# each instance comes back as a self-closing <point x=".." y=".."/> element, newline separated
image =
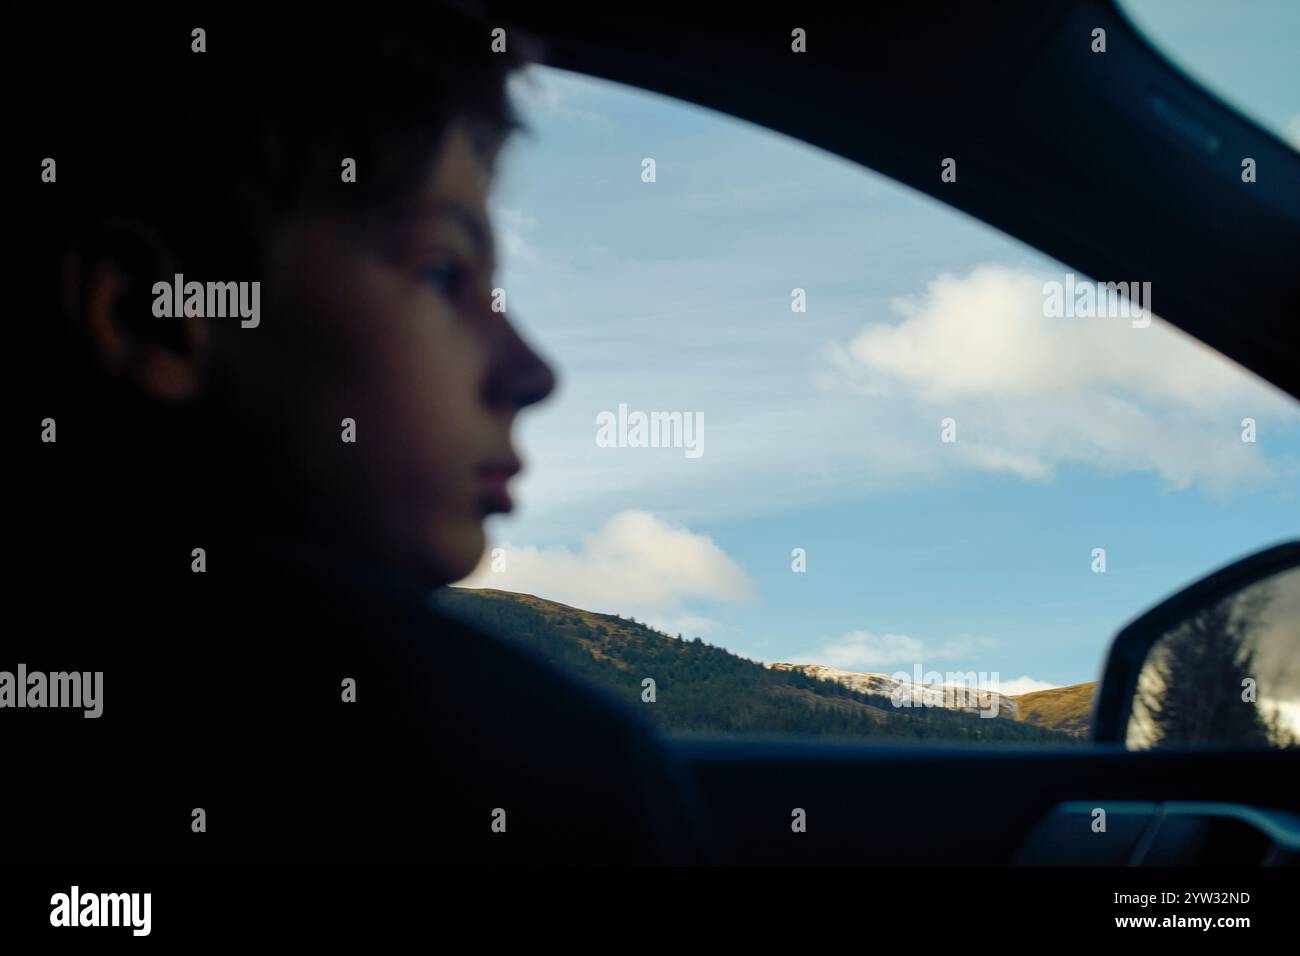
<point x="520" y="376"/>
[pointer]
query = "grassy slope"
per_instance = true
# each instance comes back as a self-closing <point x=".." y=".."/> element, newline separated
<point x="1065" y="709"/>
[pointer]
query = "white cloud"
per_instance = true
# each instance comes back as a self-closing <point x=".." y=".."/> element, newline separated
<point x="1023" y="685"/>
<point x="1029" y="392"/>
<point x="635" y="565"/>
<point x="865" y="651"/>
<point x="985" y="334"/>
<point x="1026" y="466"/>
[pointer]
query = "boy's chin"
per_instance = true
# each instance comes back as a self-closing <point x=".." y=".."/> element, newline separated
<point x="454" y="553"/>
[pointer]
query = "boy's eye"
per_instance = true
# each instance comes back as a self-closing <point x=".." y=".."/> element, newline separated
<point x="447" y="277"/>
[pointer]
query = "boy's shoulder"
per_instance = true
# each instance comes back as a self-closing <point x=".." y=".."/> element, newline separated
<point x="318" y="712"/>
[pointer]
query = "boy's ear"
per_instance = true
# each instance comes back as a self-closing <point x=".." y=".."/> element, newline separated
<point x="107" y="290"/>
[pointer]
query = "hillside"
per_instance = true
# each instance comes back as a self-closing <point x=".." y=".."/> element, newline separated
<point x="705" y="689"/>
<point x="1064" y="709"/>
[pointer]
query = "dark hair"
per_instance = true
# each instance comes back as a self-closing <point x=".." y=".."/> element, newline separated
<point x="212" y="146"/>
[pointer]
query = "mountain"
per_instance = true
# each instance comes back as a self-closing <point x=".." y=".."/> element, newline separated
<point x="1064" y="709"/>
<point x="700" y="688"/>
<point x="952" y="696"/>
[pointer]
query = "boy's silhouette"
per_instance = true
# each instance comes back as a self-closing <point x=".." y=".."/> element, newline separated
<point x="201" y="532"/>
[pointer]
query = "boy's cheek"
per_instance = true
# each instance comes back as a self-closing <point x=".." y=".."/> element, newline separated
<point x="328" y="292"/>
<point x="388" y="352"/>
<point x="436" y="377"/>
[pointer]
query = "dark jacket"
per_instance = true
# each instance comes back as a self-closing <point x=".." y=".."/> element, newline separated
<point x="223" y="691"/>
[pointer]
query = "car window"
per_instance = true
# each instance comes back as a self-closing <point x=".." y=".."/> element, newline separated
<point x="830" y="458"/>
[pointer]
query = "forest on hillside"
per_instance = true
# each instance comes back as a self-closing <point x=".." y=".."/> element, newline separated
<point x="700" y="688"/>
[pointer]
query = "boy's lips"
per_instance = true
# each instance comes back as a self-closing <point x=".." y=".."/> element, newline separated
<point x="494" y="480"/>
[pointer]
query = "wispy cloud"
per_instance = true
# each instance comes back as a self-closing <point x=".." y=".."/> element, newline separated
<point x="555" y="95"/>
<point x="867" y="651"/>
<point x="512" y="226"/>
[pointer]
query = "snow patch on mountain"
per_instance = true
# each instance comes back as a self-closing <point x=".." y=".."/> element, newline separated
<point x="969" y="697"/>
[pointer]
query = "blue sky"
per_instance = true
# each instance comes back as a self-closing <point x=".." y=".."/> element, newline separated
<point x="822" y="429"/>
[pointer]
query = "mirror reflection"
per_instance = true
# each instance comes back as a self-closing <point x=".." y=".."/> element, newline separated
<point x="1227" y="674"/>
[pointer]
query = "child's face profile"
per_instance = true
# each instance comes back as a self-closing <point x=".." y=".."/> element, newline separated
<point x="386" y="318"/>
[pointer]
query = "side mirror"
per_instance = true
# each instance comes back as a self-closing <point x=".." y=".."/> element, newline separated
<point x="1217" y="664"/>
